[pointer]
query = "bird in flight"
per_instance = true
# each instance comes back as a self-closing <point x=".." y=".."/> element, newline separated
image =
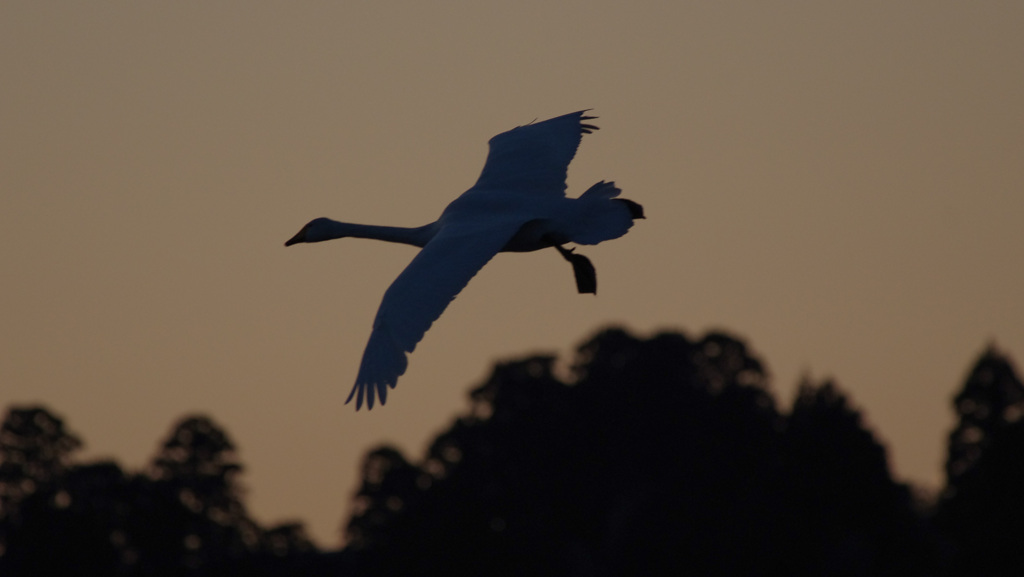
<point x="517" y="205"/>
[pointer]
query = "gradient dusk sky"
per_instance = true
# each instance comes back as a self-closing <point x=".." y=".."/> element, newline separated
<point x="839" y="183"/>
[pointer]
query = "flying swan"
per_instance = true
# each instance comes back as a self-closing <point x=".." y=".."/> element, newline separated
<point x="517" y="205"/>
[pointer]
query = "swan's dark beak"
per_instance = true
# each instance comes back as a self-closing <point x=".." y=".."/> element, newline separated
<point x="300" y="237"/>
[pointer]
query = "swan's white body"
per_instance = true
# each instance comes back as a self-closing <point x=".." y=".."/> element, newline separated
<point x="518" y="204"/>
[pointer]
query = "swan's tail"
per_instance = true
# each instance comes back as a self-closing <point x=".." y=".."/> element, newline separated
<point x="601" y="190"/>
<point x="601" y="216"/>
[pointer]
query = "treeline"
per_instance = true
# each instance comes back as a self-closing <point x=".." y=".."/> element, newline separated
<point x="665" y="456"/>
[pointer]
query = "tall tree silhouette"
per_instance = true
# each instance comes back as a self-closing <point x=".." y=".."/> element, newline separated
<point x="35" y="454"/>
<point x="195" y="499"/>
<point x="35" y="449"/>
<point x="854" y="519"/>
<point x="982" y="507"/>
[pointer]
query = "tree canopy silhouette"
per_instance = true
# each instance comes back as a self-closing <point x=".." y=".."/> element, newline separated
<point x="35" y="450"/>
<point x="185" y="516"/>
<point x="982" y="507"/>
<point x="658" y="456"/>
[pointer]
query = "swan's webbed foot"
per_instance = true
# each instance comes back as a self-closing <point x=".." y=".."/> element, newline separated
<point x="586" y="276"/>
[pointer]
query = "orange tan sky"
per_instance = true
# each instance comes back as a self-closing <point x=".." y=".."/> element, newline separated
<point x="839" y="183"/>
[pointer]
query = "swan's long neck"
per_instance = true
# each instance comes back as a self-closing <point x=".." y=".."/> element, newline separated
<point x="416" y="236"/>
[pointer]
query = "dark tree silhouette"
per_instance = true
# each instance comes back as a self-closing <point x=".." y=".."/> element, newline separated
<point x="192" y="514"/>
<point x="85" y="516"/>
<point x="982" y="507"/>
<point x="855" y="520"/>
<point x="35" y="449"/>
<point x="185" y="517"/>
<point x="991" y="400"/>
<point x="661" y="456"/>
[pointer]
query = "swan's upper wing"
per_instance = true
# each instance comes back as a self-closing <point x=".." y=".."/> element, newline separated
<point x="418" y="297"/>
<point x="535" y="156"/>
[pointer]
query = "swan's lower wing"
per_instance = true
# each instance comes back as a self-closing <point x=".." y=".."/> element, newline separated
<point x="418" y="297"/>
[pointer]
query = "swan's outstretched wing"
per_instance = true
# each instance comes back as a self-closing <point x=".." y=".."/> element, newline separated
<point x="534" y="157"/>
<point x="418" y="297"/>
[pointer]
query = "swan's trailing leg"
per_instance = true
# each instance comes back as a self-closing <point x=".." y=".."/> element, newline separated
<point x="586" y="276"/>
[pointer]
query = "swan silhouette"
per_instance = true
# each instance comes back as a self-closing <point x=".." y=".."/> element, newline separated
<point x="517" y="205"/>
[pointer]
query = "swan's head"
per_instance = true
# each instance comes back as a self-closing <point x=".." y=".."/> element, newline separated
<point x="315" y="231"/>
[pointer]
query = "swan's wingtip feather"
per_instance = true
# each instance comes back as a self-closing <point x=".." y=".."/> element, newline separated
<point x="357" y="392"/>
<point x="372" y="390"/>
<point x="384" y="360"/>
